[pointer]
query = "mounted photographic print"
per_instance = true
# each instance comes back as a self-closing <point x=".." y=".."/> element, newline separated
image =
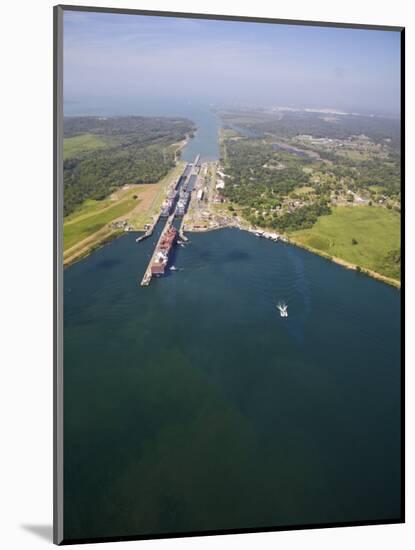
<point x="228" y="269"/>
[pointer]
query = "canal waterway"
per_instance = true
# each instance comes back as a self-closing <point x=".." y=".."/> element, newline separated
<point x="191" y="405"/>
<point x="205" y="140"/>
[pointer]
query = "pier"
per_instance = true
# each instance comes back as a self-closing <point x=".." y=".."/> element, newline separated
<point x="182" y="236"/>
<point x="196" y="163"/>
<point x="189" y="173"/>
<point x="149" y="231"/>
<point x="148" y="275"/>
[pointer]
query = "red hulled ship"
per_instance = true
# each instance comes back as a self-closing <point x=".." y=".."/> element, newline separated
<point x="161" y="257"/>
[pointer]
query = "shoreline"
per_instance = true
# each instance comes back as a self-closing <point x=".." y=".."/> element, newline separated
<point x="84" y="253"/>
<point x="136" y="220"/>
<point x="180" y="146"/>
<point x="189" y="226"/>
<point x="289" y="240"/>
<point x="273" y="237"/>
<point x="348" y="265"/>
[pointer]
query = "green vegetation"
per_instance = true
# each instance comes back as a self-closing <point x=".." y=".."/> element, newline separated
<point x="106" y="235"/>
<point x="331" y="182"/>
<point x="290" y="124"/>
<point x="89" y="226"/>
<point x="86" y="225"/>
<point x="303" y="191"/>
<point x="300" y="218"/>
<point x="259" y="185"/>
<point x="376" y="238"/>
<point x="102" y="154"/>
<point x="154" y="199"/>
<point x="78" y="145"/>
<point x="354" y="152"/>
<point x="87" y="208"/>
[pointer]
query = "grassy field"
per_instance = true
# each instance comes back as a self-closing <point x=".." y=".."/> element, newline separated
<point x="302" y="190"/>
<point x="78" y="229"/>
<point x="88" y="226"/>
<point x="377" y="188"/>
<point x="88" y="208"/>
<point x="365" y="236"/>
<point x="356" y="156"/>
<point x="80" y="144"/>
<point x="152" y="205"/>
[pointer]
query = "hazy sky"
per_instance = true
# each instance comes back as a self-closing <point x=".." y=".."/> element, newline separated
<point x="115" y="56"/>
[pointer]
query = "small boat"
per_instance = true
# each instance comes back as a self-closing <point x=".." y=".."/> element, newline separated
<point x="282" y="309"/>
<point x="173" y="268"/>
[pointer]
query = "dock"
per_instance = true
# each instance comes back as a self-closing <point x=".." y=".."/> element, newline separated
<point x="148" y="275"/>
<point x="149" y="231"/>
<point x="183" y="181"/>
<point x="182" y="236"/>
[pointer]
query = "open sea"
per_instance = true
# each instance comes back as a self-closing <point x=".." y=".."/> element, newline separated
<point x="191" y="405"/>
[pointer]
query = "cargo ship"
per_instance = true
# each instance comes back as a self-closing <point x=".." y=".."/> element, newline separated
<point x="166" y="208"/>
<point x="182" y="204"/>
<point x="168" y="203"/>
<point x="161" y="256"/>
<point x="172" y="194"/>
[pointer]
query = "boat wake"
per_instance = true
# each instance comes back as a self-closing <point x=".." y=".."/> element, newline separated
<point x="283" y="309"/>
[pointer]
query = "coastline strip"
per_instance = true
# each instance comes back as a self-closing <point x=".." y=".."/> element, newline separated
<point x="289" y="240"/>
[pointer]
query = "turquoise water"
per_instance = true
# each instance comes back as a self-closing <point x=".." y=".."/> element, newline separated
<point x="191" y="405"/>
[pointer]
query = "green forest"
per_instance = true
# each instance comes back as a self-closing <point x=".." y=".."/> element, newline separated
<point x="286" y="170"/>
<point x="104" y="153"/>
<point x="260" y="179"/>
<point x="288" y="124"/>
